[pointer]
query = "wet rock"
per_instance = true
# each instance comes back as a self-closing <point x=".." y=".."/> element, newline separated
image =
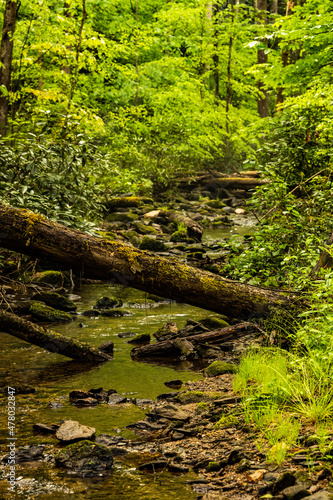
<point x="166" y="331"/>
<point x="322" y="495"/>
<point x="179" y="236"/>
<point x="91" y="313"/>
<point x="101" y="394"/>
<point x="295" y="492"/>
<point x="124" y="335"/>
<point x="145" y="426"/>
<point x="78" y="394"/>
<point x="219" y="368"/>
<point x="71" y="430"/>
<point x="181" y="469"/>
<point x="121" y="217"/>
<point x="143" y="402"/>
<point x="209" y="351"/>
<point x="154" y="466"/>
<point x="142" y="338"/>
<point x="55" y="278"/>
<point x="86" y="402"/>
<point x="235" y="456"/>
<point x="116" y="399"/>
<point x="243" y="465"/>
<point x="213" y="467"/>
<point x="228" y="210"/>
<point x="169" y="411"/>
<point x="19" y="389"/>
<point x="107" y="347"/>
<point x="186" y="348"/>
<point x="177" y="435"/>
<point x="31" y="453"/>
<point x="107" y="303"/>
<point x="283" y="481"/>
<point x="56" y="301"/>
<point x="142" y="228"/>
<point x="123" y="202"/>
<point x="85" y="459"/>
<point x="42" y="312"/>
<point x="152" y="244"/>
<point x="55" y="405"/>
<point x="45" y="429"/>
<point x="174" y="384"/>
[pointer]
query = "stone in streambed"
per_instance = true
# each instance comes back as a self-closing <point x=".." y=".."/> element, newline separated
<point x="71" y="430"/>
<point x="142" y="338"/>
<point x="107" y="303"/>
<point x="107" y="347"/>
<point x="169" y="411"/>
<point x="152" y="244"/>
<point x="56" y="301"/>
<point x="166" y="331"/>
<point x="55" y="278"/>
<point x="86" y="459"/>
<point x="45" y="429"/>
<point x="116" y="399"/>
<point x="41" y="312"/>
<point x="219" y="368"/>
<point x="174" y="384"/>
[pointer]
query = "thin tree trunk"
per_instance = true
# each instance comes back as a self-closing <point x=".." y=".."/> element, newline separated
<point x="77" y="55"/>
<point x="31" y="234"/>
<point x="216" y="57"/>
<point x="228" y="92"/>
<point x="6" y="57"/>
<point x="261" y="6"/>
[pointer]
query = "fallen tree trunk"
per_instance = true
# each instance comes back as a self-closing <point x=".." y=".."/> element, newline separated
<point x="53" y="342"/>
<point x="31" y="234"/>
<point x="171" y="347"/>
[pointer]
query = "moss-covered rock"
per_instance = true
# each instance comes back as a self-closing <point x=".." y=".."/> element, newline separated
<point x="123" y="202"/>
<point x="219" y="368"/>
<point x="121" y="217"/>
<point x="213" y="467"/>
<point x="198" y="396"/>
<point x="215" y="204"/>
<point x="178" y="236"/>
<point x="43" y="312"/>
<point x="144" y="228"/>
<point x="56" y="301"/>
<point x="152" y="244"/>
<point x="86" y="458"/>
<point x="133" y="237"/>
<point x="226" y="421"/>
<point x="107" y="303"/>
<point x="55" y="278"/>
<point x="142" y="338"/>
<point x="213" y="323"/>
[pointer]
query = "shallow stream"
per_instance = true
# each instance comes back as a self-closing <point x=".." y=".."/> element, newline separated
<point x="53" y="377"/>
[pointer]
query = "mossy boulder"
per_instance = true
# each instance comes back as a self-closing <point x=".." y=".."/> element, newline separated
<point x="85" y="459"/>
<point x="144" y="228"/>
<point x="219" y="368"/>
<point x="107" y="303"/>
<point x="56" y="301"/>
<point x="226" y="421"/>
<point x="142" y="338"/>
<point x="123" y="202"/>
<point x="121" y="217"/>
<point x="213" y="323"/>
<point x="42" y="312"/>
<point x="132" y="237"/>
<point x="178" y="236"/>
<point x="55" y="278"/>
<point x="152" y="244"/>
<point x="215" y="204"/>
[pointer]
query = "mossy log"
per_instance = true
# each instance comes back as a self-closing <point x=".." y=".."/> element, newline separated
<point x="91" y="257"/>
<point x="241" y="181"/>
<point x="53" y="342"/>
<point x="171" y="347"/>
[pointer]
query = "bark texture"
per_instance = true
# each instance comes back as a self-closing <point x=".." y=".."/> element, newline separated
<point x="6" y="56"/>
<point x="53" y="342"/>
<point x="171" y="347"/>
<point x="31" y="234"/>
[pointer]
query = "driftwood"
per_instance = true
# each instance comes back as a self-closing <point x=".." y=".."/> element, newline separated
<point x="92" y="257"/>
<point x="53" y="342"/>
<point x="171" y="347"/>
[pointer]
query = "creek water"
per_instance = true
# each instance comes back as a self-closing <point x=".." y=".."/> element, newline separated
<point x="53" y="377"/>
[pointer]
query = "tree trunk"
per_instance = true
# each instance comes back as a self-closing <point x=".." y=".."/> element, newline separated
<point x="261" y="6"/>
<point x="171" y="347"/>
<point x="53" y="342"/>
<point x="31" y="234"/>
<point x="6" y="56"/>
<point x="325" y="260"/>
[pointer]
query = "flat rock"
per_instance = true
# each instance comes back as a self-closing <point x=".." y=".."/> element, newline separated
<point x="169" y="411"/>
<point x="45" y="429"/>
<point x="71" y="430"/>
<point x="30" y="453"/>
<point x="116" y="399"/>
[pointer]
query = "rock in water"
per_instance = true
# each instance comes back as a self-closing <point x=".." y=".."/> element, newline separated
<point x="71" y="430"/>
<point x="85" y="459"/>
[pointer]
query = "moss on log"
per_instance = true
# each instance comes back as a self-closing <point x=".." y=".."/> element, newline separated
<point x="31" y="234"/>
<point x="53" y="342"/>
